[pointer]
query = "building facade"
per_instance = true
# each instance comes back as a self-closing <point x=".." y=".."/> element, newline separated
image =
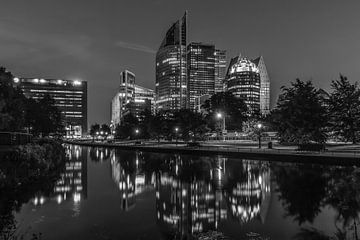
<point x="130" y="99"/>
<point x="220" y="70"/>
<point x="124" y="95"/>
<point x="243" y="80"/>
<point x="206" y="68"/>
<point x="264" y="85"/>
<point x="70" y="98"/>
<point x="170" y="69"/>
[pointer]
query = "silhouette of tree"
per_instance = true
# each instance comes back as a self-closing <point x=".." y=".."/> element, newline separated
<point x="344" y="109"/>
<point x="300" y="115"/>
<point x="234" y="108"/>
<point x="302" y="190"/>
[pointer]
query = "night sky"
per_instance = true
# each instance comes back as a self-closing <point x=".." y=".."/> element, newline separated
<point x="94" y="40"/>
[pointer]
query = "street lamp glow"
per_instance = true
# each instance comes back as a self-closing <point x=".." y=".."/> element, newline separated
<point x="259" y="125"/>
<point x="136" y="131"/>
<point x="97" y="133"/>
<point x="16" y="80"/>
<point x="219" y="115"/>
<point x="102" y="132"/>
<point x="176" y="129"/>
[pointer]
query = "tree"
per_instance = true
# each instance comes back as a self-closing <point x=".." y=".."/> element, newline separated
<point x="43" y="117"/>
<point x="105" y="129"/>
<point x="344" y="109"/>
<point x="300" y="115"/>
<point x="95" y="128"/>
<point x="192" y="125"/>
<point x="158" y="125"/>
<point x="126" y="129"/>
<point x="12" y="104"/>
<point x="234" y="109"/>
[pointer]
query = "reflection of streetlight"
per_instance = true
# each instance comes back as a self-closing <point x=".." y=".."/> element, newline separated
<point x="259" y="126"/>
<point x="176" y="130"/>
<point x="221" y="116"/>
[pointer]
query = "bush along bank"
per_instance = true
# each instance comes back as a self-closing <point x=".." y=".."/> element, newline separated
<point x="25" y="171"/>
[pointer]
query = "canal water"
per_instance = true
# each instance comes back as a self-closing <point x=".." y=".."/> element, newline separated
<point x="115" y="194"/>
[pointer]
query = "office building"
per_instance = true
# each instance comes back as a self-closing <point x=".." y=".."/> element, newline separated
<point x="130" y="99"/>
<point x="243" y="80"/>
<point x="124" y="95"/>
<point x="206" y="68"/>
<point x="170" y="69"/>
<point x="70" y="97"/>
<point x="264" y="85"/>
<point x="220" y="70"/>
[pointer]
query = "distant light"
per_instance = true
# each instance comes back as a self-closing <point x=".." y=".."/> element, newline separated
<point x="136" y="131"/>
<point x="176" y="129"/>
<point x="59" y="199"/>
<point x="219" y="115"/>
<point x="259" y="125"/>
<point x="102" y="132"/>
<point x="77" y="197"/>
<point x="35" y="80"/>
<point x="97" y="133"/>
<point x="16" y="80"/>
<point x="42" y="80"/>
<point x="77" y="83"/>
<point x="42" y="200"/>
<point x="59" y="81"/>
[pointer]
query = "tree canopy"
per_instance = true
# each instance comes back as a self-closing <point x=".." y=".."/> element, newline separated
<point x="344" y="109"/>
<point x="300" y="114"/>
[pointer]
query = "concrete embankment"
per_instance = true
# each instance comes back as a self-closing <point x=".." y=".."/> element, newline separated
<point x="330" y="158"/>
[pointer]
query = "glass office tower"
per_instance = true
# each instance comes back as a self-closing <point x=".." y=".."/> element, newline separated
<point x="264" y="85"/>
<point x="201" y="71"/>
<point x="243" y="80"/>
<point x="220" y="70"/>
<point x="70" y="97"/>
<point x="170" y="83"/>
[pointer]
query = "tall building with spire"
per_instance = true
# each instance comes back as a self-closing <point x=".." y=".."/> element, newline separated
<point x="170" y="83"/>
<point x="264" y="85"/>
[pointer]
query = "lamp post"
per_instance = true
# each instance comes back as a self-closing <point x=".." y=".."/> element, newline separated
<point x="259" y="126"/>
<point x="176" y="131"/>
<point x="222" y="116"/>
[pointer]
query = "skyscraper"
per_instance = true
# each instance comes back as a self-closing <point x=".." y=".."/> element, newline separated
<point x="70" y="97"/>
<point x="243" y="80"/>
<point x="206" y="68"/>
<point x="220" y="70"/>
<point x="170" y="83"/>
<point x="201" y="71"/>
<point x="123" y="96"/>
<point x="264" y="85"/>
<point x="130" y="98"/>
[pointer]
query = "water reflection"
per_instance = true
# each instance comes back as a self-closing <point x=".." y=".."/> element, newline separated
<point x="187" y="195"/>
<point x="72" y="184"/>
<point x="193" y="194"/>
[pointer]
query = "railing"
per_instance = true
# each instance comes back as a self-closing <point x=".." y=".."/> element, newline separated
<point x="14" y="138"/>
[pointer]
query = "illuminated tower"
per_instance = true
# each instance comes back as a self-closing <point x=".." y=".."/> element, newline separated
<point x="243" y="80"/>
<point x="264" y="85"/>
<point x="170" y="83"/>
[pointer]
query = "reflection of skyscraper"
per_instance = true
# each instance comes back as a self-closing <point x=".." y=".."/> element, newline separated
<point x="249" y="196"/>
<point x="170" y="85"/>
<point x="72" y="184"/>
<point x="129" y="179"/>
<point x="187" y="207"/>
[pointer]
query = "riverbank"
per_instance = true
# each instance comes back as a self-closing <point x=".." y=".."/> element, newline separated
<point x="286" y="154"/>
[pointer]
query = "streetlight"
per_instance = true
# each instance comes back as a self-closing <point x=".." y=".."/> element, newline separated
<point x="176" y="130"/>
<point x="221" y="116"/>
<point x="259" y="126"/>
<point x="136" y="132"/>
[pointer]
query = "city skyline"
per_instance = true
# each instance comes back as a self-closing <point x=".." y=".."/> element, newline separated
<point x="302" y="40"/>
